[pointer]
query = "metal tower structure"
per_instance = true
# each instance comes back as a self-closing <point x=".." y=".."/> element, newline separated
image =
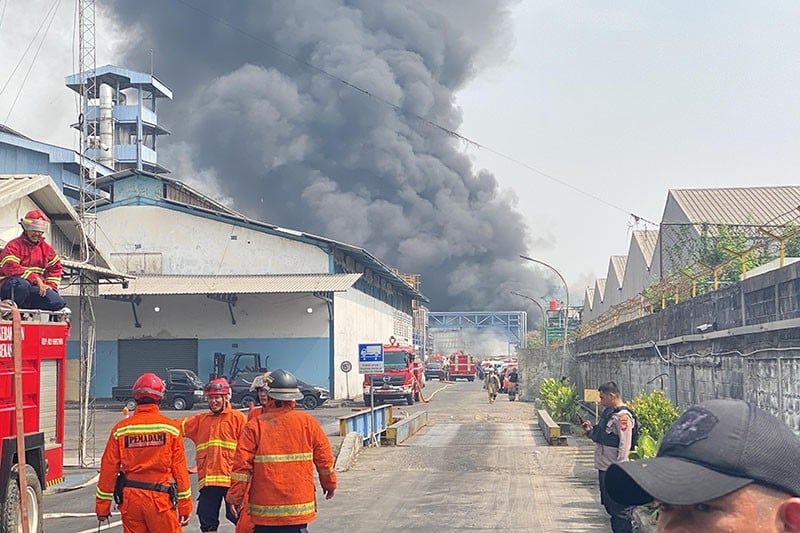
<point x="514" y="324"/>
<point x="88" y="138"/>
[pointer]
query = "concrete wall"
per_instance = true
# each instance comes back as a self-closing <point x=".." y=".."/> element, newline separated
<point x="752" y="350"/>
<point x="359" y="319"/>
<point x="195" y="244"/>
<point x="277" y="325"/>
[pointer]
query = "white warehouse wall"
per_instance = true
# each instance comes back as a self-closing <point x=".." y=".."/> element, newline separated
<point x="192" y="244"/>
<point x="277" y="325"/>
<point x="359" y="318"/>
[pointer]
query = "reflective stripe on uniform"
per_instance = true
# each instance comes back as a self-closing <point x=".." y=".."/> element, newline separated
<point x="299" y="509"/>
<point x="238" y="476"/>
<point x="146" y="428"/>
<point x="231" y="445"/>
<point x="104" y="495"/>
<point x="185" y="494"/>
<point x="12" y="258"/>
<point x="284" y="458"/>
<point x="213" y="480"/>
<point x="325" y="471"/>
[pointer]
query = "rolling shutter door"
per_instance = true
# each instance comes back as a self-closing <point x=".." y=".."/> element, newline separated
<point x="48" y="399"/>
<point x="137" y="356"/>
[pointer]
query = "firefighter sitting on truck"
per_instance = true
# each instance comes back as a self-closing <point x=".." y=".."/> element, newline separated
<point x="214" y="434"/>
<point x="30" y="270"/>
<point x="144" y="468"/>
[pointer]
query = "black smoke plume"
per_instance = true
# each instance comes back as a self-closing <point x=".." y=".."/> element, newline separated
<point x="291" y="146"/>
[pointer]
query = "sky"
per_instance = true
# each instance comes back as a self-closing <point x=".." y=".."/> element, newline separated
<point x="572" y="115"/>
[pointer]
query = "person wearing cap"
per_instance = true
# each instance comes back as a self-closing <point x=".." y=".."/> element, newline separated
<point x="275" y="461"/>
<point x="724" y="465"/>
<point x="215" y="434"/>
<point x="612" y="436"/>
<point x="30" y="269"/>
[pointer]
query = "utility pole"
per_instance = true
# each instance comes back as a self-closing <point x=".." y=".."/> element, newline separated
<point x="88" y="287"/>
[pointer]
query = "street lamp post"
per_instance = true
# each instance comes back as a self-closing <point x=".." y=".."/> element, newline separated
<point x="544" y="317"/>
<point x="566" y="314"/>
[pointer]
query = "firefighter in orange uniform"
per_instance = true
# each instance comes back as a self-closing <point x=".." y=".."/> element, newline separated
<point x="275" y="460"/>
<point x="144" y="467"/>
<point x="214" y="434"/>
<point x="259" y="386"/>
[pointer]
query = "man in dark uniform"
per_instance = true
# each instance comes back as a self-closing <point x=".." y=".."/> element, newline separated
<point x="612" y="436"/>
<point x="724" y="465"/>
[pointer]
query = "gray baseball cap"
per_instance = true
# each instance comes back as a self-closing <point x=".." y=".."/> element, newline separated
<point x="712" y="450"/>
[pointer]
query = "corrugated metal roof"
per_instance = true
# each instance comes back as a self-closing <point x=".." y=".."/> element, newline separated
<point x="266" y="284"/>
<point x="600" y="289"/>
<point x="618" y="263"/>
<point x="647" y="240"/>
<point x="741" y="205"/>
<point x="588" y="298"/>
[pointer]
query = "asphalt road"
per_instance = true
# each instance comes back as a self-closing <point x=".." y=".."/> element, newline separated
<point x="476" y="466"/>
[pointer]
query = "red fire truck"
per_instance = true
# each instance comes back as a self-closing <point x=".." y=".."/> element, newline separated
<point x="402" y="376"/>
<point x="44" y="348"/>
<point x="462" y="365"/>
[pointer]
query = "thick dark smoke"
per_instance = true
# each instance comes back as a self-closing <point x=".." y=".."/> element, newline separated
<point x="291" y="146"/>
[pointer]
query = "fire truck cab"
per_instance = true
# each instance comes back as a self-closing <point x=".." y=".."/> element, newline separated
<point x="401" y="379"/>
<point x="44" y="348"/>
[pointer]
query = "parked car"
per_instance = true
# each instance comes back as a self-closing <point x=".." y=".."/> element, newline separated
<point x="313" y="396"/>
<point x="242" y="396"/>
<point x="184" y="389"/>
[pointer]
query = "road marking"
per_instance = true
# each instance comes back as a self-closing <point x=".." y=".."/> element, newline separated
<point x="52" y="516"/>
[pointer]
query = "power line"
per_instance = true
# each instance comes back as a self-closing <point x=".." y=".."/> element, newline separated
<point x="408" y="113"/>
<point x="53" y="10"/>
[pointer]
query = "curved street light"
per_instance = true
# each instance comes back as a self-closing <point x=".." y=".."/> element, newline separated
<point x="544" y="317"/>
<point x="566" y="314"/>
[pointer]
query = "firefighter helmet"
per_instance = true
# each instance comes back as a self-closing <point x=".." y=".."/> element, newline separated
<point x="259" y="382"/>
<point x="218" y="387"/>
<point x="149" y="386"/>
<point x="35" y="221"/>
<point x="282" y="385"/>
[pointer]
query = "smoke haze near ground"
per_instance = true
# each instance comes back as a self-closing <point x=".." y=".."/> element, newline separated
<point x="291" y="146"/>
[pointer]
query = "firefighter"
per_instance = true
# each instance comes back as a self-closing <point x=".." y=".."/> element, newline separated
<point x="259" y="386"/>
<point x="491" y="383"/>
<point x="214" y="434"/>
<point x="275" y="460"/>
<point x="144" y="467"/>
<point x="30" y="270"/>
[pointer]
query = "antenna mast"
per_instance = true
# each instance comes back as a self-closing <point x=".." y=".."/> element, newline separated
<point x="88" y="287"/>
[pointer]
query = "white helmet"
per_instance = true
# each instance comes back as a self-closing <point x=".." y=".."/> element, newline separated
<point x="260" y="382"/>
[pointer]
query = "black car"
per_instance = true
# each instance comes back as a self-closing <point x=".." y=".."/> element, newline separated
<point x="242" y="396"/>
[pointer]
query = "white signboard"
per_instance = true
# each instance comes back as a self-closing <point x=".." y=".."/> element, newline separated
<point x="370" y="358"/>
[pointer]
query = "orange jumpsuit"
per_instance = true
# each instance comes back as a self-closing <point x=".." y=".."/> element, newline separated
<point x="274" y="465"/>
<point x="244" y="524"/>
<point x="215" y="438"/>
<point x="148" y="448"/>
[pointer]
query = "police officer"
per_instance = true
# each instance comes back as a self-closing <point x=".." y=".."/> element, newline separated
<point x="147" y="449"/>
<point x="214" y="434"/>
<point x="612" y="436"/>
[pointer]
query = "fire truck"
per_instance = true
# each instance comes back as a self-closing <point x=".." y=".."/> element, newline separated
<point x="462" y="365"/>
<point x="44" y="348"/>
<point x="402" y="376"/>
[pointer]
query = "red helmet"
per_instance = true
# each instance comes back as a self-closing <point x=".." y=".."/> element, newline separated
<point x="150" y="386"/>
<point x="35" y="221"/>
<point x="218" y="387"/>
